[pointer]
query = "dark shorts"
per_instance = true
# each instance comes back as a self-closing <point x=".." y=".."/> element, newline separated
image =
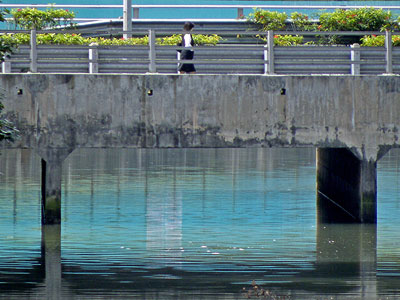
<point x="187" y="67"/>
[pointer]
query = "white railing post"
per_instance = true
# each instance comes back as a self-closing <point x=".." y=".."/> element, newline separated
<point x="152" y="51"/>
<point x="355" y="57"/>
<point x="33" y="52"/>
<point x="270" y="52"/>
<point x="127" y="19"/>
<point x="6" y="65"/>
<point x="266" y="59"/>
<point x="178" y="57"/>
<point x="389" y="56"/>
<point x="93" y="59"/>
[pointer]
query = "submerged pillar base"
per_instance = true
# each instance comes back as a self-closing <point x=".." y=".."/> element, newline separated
<point x="51" y="184"/>
<point x="346" y="187"/>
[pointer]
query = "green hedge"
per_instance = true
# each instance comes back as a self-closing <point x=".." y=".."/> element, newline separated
<point x="76" y="39"/>
<point x="361" y="19"/>
<point x="31" y="18"/>
<point x="378" y="40"/>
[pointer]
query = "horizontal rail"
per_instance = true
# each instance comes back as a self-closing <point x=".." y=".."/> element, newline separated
<point x="127" y="8"/>
<point x="61" y="5"/>
<point x="219" y="59"/>
<point x="219" y="6"/>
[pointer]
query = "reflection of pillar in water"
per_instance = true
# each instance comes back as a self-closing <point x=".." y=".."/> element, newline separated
<point x="349" y="250"/>
<point x="164" y="223"/>
<point x="235" y="162"/>
<point x="51" y="260"/>
<point x="17" y="182"/>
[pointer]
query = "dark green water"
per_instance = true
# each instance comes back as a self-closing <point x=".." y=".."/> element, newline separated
<point x="191" y="224"/>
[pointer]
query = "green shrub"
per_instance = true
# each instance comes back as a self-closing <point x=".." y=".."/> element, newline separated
<point x="31" y="18"/>
<point x="288" y="40"/>
<point x="361" y="19"/>
<point x="302" y="22"/>
<point x="268" y="20"/>
<point x="285" y="40"/>
<point x="378" y="40"/>
<point x="118" y="41"/>
<point x="199" y="39"/>
<point x="76" y="39"/>
<point x="8" y="131"/>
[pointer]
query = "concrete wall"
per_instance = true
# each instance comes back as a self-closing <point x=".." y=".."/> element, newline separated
<point x="69" y="111"/>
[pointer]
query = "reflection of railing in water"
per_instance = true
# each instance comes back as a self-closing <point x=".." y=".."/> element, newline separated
<point x="220" y="59"/>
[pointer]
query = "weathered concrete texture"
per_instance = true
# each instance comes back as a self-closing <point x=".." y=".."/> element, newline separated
<point x="346" y="187"/>
<point x="83" y="110"/>
<point x="57" y="113"/>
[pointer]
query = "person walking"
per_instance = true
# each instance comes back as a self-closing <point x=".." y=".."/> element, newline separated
<point x="187" y="54"/>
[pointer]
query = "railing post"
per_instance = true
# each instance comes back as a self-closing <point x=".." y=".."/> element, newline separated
<point x="33" y="53"/>
<point x="178" y="57"/>
<point x="389" y="56"/>
<point x="240" y="13"/>
<point x="93" y="60"/>
<point x="355" y="57"/>
<point x="270" y="52"/>
<point x="127" y="22"/>
<point x="152" y="51"/>
<point x="6" y="65"/>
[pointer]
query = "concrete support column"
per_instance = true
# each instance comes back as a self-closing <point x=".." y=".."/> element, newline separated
<point x="51" y="184"/>
<point x="346" y="187"/>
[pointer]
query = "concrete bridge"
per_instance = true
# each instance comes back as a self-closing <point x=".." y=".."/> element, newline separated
<point x="351" y="120"/>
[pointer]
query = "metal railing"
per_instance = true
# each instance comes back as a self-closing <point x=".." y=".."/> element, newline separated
<point x="219" y="59"/>
<point x="131" y="11"/>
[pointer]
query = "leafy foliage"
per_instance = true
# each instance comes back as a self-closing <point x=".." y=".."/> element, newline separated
<point x="3" y="14"/>
<point x="7" y="129"/>
<point x="268" y="20"/>
<point x="199" y="39"/>
<point x="31" y="18"/>
<point x="378" y="41"/>
<point x="288" y="40"/>
<point x="301" y="21"/>
<point x="6" y="48"/>
<point x="77" y="39"/>
<point x="361" y="19"/>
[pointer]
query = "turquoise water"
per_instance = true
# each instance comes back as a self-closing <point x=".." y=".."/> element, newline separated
<point x="191" y="224"/>
<point x="188" y="13"/>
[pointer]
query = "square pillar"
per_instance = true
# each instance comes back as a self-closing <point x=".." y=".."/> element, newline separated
<point x="52" y="160"/>
<point x="346" y="187"/>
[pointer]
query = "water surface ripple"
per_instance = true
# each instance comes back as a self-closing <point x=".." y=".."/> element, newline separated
<point x="191" y="224"/>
